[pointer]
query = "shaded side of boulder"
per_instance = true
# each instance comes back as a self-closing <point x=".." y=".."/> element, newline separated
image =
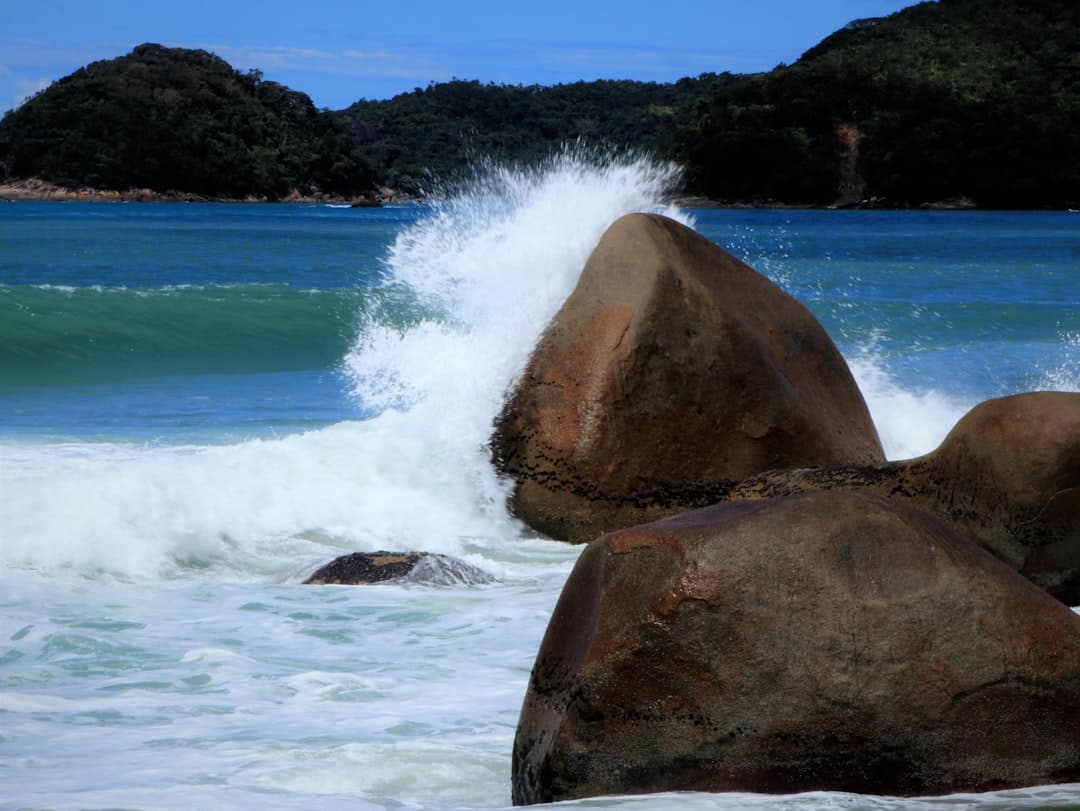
<point x="671" y="372"/>
<point x="1007" y="477"/>
<point x="828" y="641"/>
<point x="361" y="568"/>
<point x="1010" y="470"/>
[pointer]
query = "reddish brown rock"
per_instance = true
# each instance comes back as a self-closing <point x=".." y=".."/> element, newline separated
<point x="671" y="372"/>
<point x="832" y="641"/>
<point x="1013" y="464"/>
<point x="1007" y="477"/>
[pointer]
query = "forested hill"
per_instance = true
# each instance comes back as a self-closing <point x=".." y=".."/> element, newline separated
<point x="435" y="131"/>
<point x="979" y="98"/>
<point x="975" y="99"/>
<point x="184" y="120"/>
<point x="956" y="98"/>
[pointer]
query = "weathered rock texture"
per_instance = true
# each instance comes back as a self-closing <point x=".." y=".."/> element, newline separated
<point x="360" y="568"/>
<point x="834" y="641"/>
<point x="671" y="372"/>
<point x="1007" y="477"/>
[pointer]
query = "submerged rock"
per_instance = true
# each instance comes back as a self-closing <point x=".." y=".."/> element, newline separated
<point x="1007" y="477"/>
<point x="829" y="641"/>
<point x="671" y="372"/>
<point x="377" y="567"/>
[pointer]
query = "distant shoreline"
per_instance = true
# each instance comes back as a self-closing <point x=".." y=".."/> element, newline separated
<point x="871" y="204"/>
<point x="37" y="190"/>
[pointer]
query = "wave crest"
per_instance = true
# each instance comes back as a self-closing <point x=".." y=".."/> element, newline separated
<point x="467" y="290"/>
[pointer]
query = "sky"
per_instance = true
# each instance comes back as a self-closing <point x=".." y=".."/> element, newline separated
<point x="338" y="51"/>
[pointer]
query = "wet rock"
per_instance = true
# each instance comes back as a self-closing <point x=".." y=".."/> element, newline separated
<point x="827" y="641"/>
<point x="672" y="372"/>
<point x="443" y="570"/>
<point x="1007" y="477"/>
<point x="376" y="567"/>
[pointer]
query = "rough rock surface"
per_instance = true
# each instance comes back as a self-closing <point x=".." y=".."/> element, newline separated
<point x="833" y="641"/>
<point x="671" y="372"/>
<point x="1007" y="477"/>
<point x="376" y="567"/>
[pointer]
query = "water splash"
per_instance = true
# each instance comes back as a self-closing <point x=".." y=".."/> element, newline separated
<point x="1064" y="374"/>
<point x="490" y="266"/>
<point x="468" y="289"/>
<point x="910" y="422"/>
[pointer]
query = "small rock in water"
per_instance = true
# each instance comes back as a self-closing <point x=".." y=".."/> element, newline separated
<point x="359" y="568"/>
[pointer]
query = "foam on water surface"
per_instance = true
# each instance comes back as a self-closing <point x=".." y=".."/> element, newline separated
<point x="463" y="293"/>
<point x="485" y="270"/>
<point x="156" y="648"/>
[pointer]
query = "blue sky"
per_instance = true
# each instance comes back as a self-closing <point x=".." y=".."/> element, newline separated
<point x="338" y="51"/>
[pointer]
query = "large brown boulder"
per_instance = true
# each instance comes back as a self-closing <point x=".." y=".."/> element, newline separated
<point x="828" y="641"/>
<point x="1007" y="477"/>
<point x="671" y="372"/>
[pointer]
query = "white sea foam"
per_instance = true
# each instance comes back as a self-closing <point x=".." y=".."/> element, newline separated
<point x="486" y="270"/>
<point x="913" y="420"/>
<point x="493" y="263"/>
<point x="260" y="508"/>
<point x="1064" y="373"/>
<point x="489" y="267"/>
<point x="910" y="421"/>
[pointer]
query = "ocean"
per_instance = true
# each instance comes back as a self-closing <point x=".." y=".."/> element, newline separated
<point x="199" y="404"/>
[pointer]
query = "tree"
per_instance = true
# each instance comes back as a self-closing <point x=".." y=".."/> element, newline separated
<point x="184" y="120"/>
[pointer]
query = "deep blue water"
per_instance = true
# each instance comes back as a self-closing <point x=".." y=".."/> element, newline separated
<point x="975" y="304"/>
<point x="180" y="320"/>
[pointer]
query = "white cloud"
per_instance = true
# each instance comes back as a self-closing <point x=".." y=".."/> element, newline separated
<point x="278" y="56"/>
<point x="39" y="55"/>
<point x="369" y="55"/>
<point x="32" y="65"/>
<point x="349" y="62"/>
<point x="638" y="62"/>
<point x="25" y="88"/>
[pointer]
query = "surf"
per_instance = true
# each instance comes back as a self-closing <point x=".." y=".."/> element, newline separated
<point x="464" y="293"/>
<point x="424" y="350"/>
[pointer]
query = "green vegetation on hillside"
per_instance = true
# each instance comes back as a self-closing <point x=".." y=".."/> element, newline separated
<point x="437" y="131"/>
<point x="959" y="97"/>
<point x="174" y="119"/>
<point x="976" y="98"/>
<point x="947" y="99"/>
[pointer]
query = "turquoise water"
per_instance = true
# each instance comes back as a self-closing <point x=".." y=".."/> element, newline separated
<point x="155" y="321"/>
<point x="201" y="403"/>
<point x="158" y="321"/>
